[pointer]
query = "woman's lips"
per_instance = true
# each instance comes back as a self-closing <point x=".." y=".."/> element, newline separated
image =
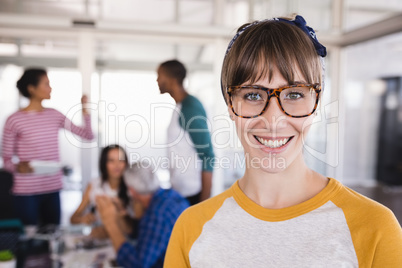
<point x="270" y="144"/>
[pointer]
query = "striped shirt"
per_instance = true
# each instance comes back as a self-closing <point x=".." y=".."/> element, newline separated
<point x="32" y="135"/>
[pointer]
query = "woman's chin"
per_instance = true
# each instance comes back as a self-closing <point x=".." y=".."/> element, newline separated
<point x="270" y="163"/>
<point x="114" y="176"/>
<point x="274" y="170"/>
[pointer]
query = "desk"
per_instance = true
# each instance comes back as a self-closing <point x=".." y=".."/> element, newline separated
<point x="72" y="247"/>
<point x="84" y="258"/>
<point x="80" y="250"/>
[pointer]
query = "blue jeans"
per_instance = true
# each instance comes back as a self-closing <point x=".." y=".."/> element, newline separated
<point x="40" y="209"/>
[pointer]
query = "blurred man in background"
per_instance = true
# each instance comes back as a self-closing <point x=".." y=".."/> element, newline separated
<point x="191" y="155"/>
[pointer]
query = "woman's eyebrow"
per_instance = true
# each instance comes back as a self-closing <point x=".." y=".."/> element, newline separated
<point x="300" y="82"/>
<point x="281" y="85"/>
<point x="294" y="83"/>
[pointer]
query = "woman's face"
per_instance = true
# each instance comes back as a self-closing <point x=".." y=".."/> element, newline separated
<point x="273" y="140"/>
<point x="116" y="163"/>
<point x="41" y="91"/>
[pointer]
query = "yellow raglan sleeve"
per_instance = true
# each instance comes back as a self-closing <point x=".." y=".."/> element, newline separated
<point x="388" y="250"/>
<point x="188" y="229"/>
<point x="178" y="249"/>
<point x="375" y="231"/>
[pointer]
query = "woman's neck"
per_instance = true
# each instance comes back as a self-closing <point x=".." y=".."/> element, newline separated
<point x="292" y="186"/>
<point x="34" y="105"/>
<point x="114" y="183"/>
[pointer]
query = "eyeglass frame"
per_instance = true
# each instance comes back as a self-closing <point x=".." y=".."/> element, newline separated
<point x="275" y="92"/>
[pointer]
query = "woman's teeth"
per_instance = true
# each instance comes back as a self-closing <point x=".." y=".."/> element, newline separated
<point x="273" y="143"/>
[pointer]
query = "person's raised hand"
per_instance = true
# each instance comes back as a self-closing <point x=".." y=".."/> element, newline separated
<point x="84" y="102"/>
<point x="24" y="167"/>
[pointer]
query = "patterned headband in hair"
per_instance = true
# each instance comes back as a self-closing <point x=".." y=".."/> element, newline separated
<point x="299" y="22"/>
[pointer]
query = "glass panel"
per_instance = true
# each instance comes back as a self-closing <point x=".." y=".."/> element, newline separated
<point x="66" y="95"/>
<point x="316" y="144"/>
<point x="130" y="112"/>
<point x="363" y="92"/>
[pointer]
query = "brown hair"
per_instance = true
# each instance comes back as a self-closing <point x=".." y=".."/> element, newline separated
<point x="268" y="45"/>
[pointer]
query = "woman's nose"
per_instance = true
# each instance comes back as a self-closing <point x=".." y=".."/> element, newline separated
<point x="273" y="116"/>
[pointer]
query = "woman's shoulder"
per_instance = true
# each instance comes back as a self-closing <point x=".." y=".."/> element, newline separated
<point x="355" y="198"/>
<point x="22" y="113"/>
<point x="15" y="115"/>
<point x="94" y="188"/>
<point x="204" y="211"/>
<point x="372" y="226"/>
<point x="357" y="206"/>
<point x="15" y="118"/>
<point x="95" y="182"/>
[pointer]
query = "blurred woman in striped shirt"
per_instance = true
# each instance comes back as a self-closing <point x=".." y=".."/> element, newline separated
<point x="31" y="134"/>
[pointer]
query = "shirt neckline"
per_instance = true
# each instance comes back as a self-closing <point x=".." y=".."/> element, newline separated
<point x="33" y="111"/>
<point x="186" y="98"/>
<point x="288" y="213"/>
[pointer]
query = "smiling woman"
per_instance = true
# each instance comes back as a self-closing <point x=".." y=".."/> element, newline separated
<point x="281" y="213"/>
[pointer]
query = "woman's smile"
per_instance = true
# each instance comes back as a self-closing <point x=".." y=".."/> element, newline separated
<point x="273" y="142"/>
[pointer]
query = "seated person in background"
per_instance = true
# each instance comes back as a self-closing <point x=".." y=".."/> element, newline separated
<point x="112" y="164"/>
<point x="161" y="209"/>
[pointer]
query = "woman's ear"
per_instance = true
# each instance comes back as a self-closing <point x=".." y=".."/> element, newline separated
<point x="31" y="89"/>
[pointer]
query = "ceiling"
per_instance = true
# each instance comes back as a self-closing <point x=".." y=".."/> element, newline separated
<point x="133" y="34"/>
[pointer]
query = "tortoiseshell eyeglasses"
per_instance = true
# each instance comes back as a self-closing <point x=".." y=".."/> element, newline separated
<point x="300" y="100"/>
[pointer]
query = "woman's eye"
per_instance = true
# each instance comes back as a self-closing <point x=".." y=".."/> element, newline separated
<point x="294" y="95"/>
<point x="252" y="96"/>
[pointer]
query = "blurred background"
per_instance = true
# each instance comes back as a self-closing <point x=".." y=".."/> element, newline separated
<point x="110" y="50"/>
